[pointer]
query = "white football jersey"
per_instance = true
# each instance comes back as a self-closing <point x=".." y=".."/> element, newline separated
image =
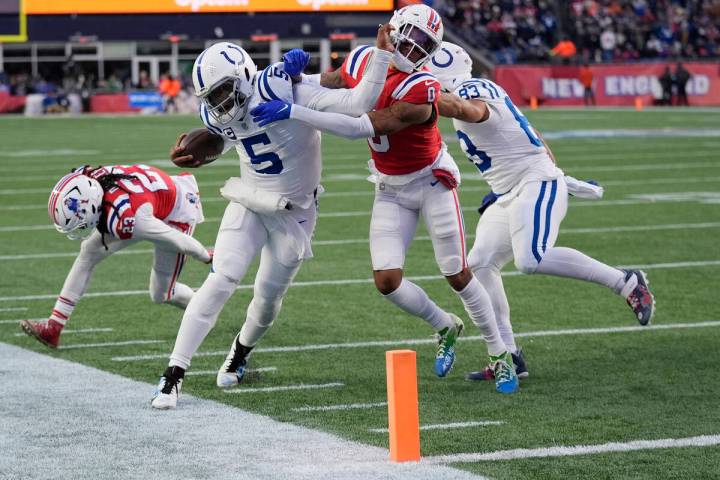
<point x="283" y="157"/>
<point x="505" y="147"/>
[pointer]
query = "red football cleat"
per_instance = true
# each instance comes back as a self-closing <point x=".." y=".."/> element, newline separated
<point x="47" y="332"/>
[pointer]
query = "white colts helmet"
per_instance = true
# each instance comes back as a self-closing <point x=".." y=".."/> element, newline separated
<point x="417" y="35"/>
<point x="451" y="65"/>
<point x="223" y="79"/>
<point x="75" y="204"/>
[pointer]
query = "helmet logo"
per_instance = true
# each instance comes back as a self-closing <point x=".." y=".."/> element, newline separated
<point x="72" y="204"/>
<point x="434" y="21"/>
<point x="227" y="57"/>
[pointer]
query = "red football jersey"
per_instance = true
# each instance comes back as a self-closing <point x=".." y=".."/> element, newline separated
<point x="149" y="185"/>
<point x="414" y="147"/>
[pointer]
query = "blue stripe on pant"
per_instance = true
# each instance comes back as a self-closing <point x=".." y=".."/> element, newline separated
<point x="536" y="222"/>
<point x="548" y="211"/>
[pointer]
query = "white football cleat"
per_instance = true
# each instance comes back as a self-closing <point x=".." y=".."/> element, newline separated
<point x="168" y="390"/>
<point x="233" y="369"/>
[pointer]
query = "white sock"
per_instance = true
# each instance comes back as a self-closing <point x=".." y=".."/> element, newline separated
<point x="478" y="305"/>
<point x="491" y="280"/>
<point x="415" y="301"/>
<point x="181" y="296"/>
<point x="200" y="317"/>
<point x="64" y="307"/>
<point x="569" y="263"/>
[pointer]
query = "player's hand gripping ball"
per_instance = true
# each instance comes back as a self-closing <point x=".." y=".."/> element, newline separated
<point x="196" y="148"/>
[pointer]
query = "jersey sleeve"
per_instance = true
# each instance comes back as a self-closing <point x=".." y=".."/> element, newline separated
<point x="120" y="217"/>
<point x="418" y="88"/>
<point x="354" y="64"/>
<point x="478" y="89"/>
<point x="275" y="84"/>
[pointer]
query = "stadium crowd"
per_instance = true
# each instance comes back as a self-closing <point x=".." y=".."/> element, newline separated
<point x="516" y="31"/>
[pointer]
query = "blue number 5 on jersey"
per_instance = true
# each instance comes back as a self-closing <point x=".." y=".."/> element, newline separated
<point x="259" y="161"/>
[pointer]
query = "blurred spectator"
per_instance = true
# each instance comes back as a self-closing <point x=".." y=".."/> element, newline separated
<point x="586" y="79"/>
<point x="144" y="81"/>
<point x="565" y="50"/>
<point x="681" y="79"/>
<point x="169" y="88"/>
<point x="666" y="83"/>
<point x="602" y="30"/>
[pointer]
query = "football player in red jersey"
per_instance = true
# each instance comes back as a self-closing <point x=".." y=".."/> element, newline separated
<point x="415" y="176"/>
<point x="114" y="207"/>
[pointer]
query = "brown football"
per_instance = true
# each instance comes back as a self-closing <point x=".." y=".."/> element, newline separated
<point x="203" y="145"/>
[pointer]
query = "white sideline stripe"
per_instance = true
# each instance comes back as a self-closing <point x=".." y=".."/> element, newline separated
<point x="425" y="341"/>
<point x="350" y="241"/>
<point x="564" y="451"/>
<point x="344" y="406"/>
<point x="109" y="344"/>
<point x="18" y="320"/>
<point x="13" y="309"/>
<point x="80" y="330"/>
<point x="285" y="388"/>
<point x="358" y="281"/>
<point x="73" y="444"/>
<point x="192" y="373"/>
<point x="447" y="426"/>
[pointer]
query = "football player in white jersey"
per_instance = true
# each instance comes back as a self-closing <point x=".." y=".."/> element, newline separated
<point x="522" y="215"/>
<point x="273" y="203"/>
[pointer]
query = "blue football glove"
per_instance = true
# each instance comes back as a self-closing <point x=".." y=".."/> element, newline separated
<point x="488" y="200"/>
<point x="295" y="61"/>
<point x="593" y="182"/>
<point x="270" y="112"/>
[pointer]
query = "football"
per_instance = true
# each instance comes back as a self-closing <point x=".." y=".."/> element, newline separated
<point x="203" y="145"/>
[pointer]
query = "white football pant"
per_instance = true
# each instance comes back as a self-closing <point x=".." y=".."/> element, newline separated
<point x="525" y="228"/>
<point x="243" y="234"/>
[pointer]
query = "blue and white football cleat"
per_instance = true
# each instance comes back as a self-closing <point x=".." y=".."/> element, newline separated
<point x="506" y="380"/>
<point x="168" y="390"/>
<point x="445" y="356"/>
<point x="638" y="296"/>
<point x="233" y="370"/>
<point x="488" y="372"/>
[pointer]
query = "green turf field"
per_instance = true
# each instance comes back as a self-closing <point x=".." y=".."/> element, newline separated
<point x="661" y="210"/>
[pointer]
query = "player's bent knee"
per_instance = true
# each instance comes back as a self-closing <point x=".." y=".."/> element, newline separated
<point x="526" y="264"/>
<point x="387" y="281"/>
<point x="460" y="280"/>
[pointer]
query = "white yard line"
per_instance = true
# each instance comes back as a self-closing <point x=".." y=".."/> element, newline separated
<point x="18" y="320"/>
<point x="340" y="407"/>
<point x="97" y="405"/>
<point x="363" y="240"/>
<point x="285" y="388"/>
<point x="564" y="451"/>
<point x="426" y="341"/>
<point x="193" y="373"/>
<point x="360" y="281"/>
<point x="80" y="330"/>
<point x="448" y="426"/>
<point x="109" y="344"/>
<point x="13" y="309"/>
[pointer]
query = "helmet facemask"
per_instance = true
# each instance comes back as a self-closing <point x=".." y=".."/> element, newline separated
<point x="226" y="101"/>
<point x="413" y="47"/>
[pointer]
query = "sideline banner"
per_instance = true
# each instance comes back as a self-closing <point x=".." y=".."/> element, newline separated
<point x="49" y="7"/>
<point x="614" y="85"/>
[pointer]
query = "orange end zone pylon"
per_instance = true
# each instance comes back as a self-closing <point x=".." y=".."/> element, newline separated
<point x="403" y="414"/>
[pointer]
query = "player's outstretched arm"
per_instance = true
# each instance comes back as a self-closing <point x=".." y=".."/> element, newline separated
<point x="335" y="123"/>
<point x="399" y="116"/>
<point x="147" y="227"/>
<point x="452" y="106"/>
